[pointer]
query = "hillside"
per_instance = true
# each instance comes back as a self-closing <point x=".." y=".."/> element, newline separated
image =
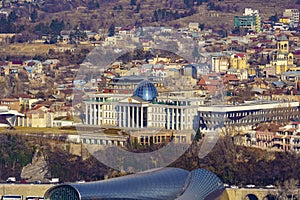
<point x="23" y="155"/>
<point x="100" y="14"/>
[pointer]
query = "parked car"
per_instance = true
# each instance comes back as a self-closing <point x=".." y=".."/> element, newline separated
<point x="54" y="180"/>
<point x="37" y="182"/>
<point x="250" y="186"/>
<point x="270" y="186"/>
<point x="23" y="181"/>
<point x="11" y="197"/>
<point x="234" y="186"/>
<point x="11" y="180"/>
<point x="34" y="198"/>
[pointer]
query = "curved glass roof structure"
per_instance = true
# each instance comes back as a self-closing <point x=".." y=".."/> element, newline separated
<point x="146" y="90"/>
<point x="159" y="184"/>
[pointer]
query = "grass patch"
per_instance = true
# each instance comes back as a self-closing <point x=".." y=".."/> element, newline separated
<point x="53" y="130"/>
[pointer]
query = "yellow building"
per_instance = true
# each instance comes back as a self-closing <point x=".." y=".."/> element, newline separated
<point x="251" y="71"/>
<point x="285" y="20"/>
<point x="239" y="61"/>
<point x="294" y="69"/>
<point x="283" y="44"/>
<point x="283" y="60"/>
<point x="159" y="59"/>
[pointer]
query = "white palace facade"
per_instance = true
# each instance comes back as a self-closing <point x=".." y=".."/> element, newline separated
<point x="146" y="110"/>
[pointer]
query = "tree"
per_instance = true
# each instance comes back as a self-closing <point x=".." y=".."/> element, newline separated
<point x="92" y="5"/>
<point x="3" y="25"/>
<point x="176" y="15"/>
<point x="274" y="18"/>
<point x="138" y="7"/>
<point x="211" y="6"/>
<point x="201" y="26"/>
<point x="195" y="53"/>
<point x="40" y="95"/>
<point x="12" y="17"/>
<point x="33" y="15"/>
<point x="155" y="16"/>
<point x="111" y="30"/>
<point x="188" y="3"/>
<point x="42" y="28"/>
<point x="57" y="26"/>
<point x="132" y="2"/>
<point x="290" y="186"/>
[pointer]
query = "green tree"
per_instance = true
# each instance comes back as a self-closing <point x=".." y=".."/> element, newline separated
<point x="155" y="16"/>
<point x="195" y="53"/>
<point x="188" y="3"/>
<point x="176" y="15"/>
<point x="40" y="95"/>
<point x="3" y="25"/>
<point x="33" y="15"/>
<point x="57" y="26"/>
<point x="111" y="30"/>
<point x="274" y="18"/>
<point x="132" y="2"/>
<point x="12" y="17"/>
<point x="138" y="7"/>
<point x="42" y="28"/>
<point x="201" y="26"/>
<point x="211" y="6"/>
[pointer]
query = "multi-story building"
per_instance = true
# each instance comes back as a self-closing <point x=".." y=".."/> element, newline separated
<point x="250" y="12"/>
<point x="219" y="63"/>
<point x="248" y="22"/>
<point x="283" y="60"/>
<point x="142" y="110"/>
<point x="278" y="137"/>
<point x="293" y="14"/>
<point x="101" y="109"/>
<point x="177" y="116"/>
<point x="38" y="117"/>
<point x="12" y="103"/>
<point x="239" y="61"/>
<point x="127" y="84"/>
<point x="244" y="116"/>
<point x="147" y="117"/>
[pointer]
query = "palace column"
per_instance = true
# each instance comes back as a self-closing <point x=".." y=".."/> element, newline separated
<point x="142" y="117"/>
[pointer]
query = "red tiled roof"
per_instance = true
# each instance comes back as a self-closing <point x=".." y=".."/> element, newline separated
<point x="230" y="77"/>
<point x="9" y="100"/>
<point x="241" y="55"/>
<point x="17" y="62"/>
<point x="23" y="96"/>
<point x="37" y="107"/>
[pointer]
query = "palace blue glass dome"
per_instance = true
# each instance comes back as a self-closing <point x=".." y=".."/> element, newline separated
<point x="146" y="90"/>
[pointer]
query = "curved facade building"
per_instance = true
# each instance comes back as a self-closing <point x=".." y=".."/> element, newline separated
<point x="159" y="184"/>
<point x="146" y="90"/>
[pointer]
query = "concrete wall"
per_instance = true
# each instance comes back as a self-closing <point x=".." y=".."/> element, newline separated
<point x="24" y="189"/>
<point x="40" y="189"/>
<point x="241" y="194"/>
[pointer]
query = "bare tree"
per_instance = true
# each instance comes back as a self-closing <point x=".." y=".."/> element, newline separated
<point x="290" y="186"/>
